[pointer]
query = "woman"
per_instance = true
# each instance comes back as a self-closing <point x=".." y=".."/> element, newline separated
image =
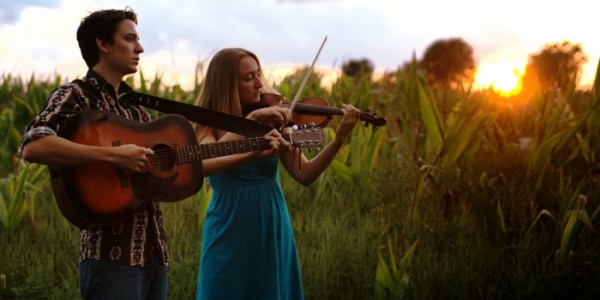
<point x="248" y="247"/>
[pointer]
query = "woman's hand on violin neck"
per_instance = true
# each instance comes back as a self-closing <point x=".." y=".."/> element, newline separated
<point x="351" y="117"/>
<point x="275" y="116"/>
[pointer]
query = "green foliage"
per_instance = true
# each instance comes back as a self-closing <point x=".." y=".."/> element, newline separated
<point x="290" y="85"/>
<point x="19" y="103"/>
<point x="502" y="195"/>
<point x="18" y="193"/>
<point x="393" y="281"/>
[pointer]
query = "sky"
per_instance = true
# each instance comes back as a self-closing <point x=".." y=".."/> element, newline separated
<point x="38" y="36"/>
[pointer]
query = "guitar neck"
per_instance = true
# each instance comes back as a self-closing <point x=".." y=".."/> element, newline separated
<point x="306" y="137"/>
<point x="199" y="152"/>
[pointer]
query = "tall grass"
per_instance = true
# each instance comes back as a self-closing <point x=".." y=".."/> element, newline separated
<point x="463" y="194"/>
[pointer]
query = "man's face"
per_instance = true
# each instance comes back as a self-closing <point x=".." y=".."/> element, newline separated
<point x="123" y="55"/>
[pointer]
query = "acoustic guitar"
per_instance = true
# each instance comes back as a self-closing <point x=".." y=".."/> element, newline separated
<point x="102" y="194"/>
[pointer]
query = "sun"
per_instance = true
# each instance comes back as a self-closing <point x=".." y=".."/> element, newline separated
<point x="503" y="77"/>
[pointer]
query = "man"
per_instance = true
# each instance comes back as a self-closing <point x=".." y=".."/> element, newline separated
<point x="126" y="260"/>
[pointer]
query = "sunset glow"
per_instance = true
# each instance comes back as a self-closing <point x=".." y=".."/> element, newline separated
<point x="276" y="73"/>
<point x="387" y="37"/>
<point x="503" y="77"/>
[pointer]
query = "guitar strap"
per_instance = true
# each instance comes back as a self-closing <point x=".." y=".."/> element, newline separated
<point x="197" y="114"/>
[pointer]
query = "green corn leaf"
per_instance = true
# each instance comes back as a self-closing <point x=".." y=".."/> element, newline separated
<point x="383" y="278"/>
<point x="541" y="158"/>
<point x="342" y="170"/>
<point x="431" y="121"/>
<point x="568" y="235"/>
<point x="3" y="211"/>
<point x="407" y="258"/>
<point x="393" y="265"/>
<point x="500" y="217"/>
<point x="463" y="140"/>
<point x="543" y="212"/>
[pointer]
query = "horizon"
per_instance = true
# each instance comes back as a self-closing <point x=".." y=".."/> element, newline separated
<point x="286" y="33"/>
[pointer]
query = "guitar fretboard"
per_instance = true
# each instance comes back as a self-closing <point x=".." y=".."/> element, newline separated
<point x="165" y="158"/>
<point x="199" y="152"/>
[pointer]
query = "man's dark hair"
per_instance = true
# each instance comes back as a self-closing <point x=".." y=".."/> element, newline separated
<point x="101" y="24"/>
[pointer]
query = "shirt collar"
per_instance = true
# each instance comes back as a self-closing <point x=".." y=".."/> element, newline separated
<point x="100" y="83"/>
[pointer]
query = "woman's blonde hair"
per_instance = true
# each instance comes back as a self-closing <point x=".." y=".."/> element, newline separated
<point x="220" y="86"/>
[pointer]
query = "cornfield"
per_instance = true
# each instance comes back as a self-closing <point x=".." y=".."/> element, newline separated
<point x="463" y="194"/>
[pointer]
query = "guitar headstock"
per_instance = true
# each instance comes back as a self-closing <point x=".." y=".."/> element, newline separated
<point x="371" y="118"/>
<point x="307" y="136"/>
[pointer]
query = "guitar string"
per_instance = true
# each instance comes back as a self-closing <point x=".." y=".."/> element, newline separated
<point x="169" y="157"/>
<point x="172" y="160"/>
<point x="203" y="148"/>
<point x="199" y="149"/>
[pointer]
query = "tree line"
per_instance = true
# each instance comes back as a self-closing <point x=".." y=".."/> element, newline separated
<point x="450" y="63"/>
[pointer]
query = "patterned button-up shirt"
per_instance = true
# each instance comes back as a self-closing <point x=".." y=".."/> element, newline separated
<point x="134" y="240"/>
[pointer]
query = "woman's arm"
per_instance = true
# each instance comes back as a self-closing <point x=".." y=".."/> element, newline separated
<point x="309" y="170"/>
<point x="213" y="166"/>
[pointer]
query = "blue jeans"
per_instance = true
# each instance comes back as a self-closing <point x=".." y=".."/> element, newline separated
<point x="105" y="280"/>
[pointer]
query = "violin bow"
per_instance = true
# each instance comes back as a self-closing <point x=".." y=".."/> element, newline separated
<point x="306" y="76"/>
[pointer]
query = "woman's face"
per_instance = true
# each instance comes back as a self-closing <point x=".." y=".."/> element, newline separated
<point x="249" y="83"/>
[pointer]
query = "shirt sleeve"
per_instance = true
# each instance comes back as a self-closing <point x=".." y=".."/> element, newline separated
<point x="64" y="103"/>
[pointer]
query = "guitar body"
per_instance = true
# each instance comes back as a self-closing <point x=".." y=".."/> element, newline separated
<point x="102" y="194"/>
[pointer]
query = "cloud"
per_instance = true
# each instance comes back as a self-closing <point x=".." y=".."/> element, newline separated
<point x="44" y="48"/>
<point x="178" y="34"/>
<point x="10" y="10"/>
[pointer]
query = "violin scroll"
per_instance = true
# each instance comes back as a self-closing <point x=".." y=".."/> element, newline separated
<point x="371" y="118"/>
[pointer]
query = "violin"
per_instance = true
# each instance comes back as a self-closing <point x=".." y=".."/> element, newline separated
<point x="313" y="110"/>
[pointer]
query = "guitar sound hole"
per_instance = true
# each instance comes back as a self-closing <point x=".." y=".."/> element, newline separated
<point x="164" y="158"/>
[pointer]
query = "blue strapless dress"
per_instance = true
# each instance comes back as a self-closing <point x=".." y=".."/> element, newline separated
<point x="248" y="247"/>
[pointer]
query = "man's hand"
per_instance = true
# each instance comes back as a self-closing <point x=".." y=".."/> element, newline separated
<point x="131" y="157"/>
